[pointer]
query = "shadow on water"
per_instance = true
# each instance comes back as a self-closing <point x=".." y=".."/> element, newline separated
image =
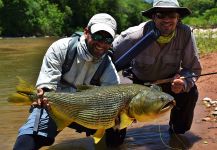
<point x="151" y="137"/>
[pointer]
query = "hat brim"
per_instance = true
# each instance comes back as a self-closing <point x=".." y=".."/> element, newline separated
<point x="102" y="27"/>
<point x="183" y="11"/>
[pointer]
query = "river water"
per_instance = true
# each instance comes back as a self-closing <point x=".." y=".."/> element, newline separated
<point x="22" y="57"/>
<point x="18" y="57"/>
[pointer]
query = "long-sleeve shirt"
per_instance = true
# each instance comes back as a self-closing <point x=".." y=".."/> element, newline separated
<point x="81" y="71"/>
<point x="180" y="55"/>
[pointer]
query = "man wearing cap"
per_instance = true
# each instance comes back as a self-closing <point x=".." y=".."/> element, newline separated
<point x="173" y="55"/>
<point x="91" y="49"/>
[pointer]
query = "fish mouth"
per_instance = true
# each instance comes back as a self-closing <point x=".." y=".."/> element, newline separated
<point x="168" y="106"/>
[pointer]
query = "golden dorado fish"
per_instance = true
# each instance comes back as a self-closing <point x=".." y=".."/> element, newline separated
<point x="100" y="107"/>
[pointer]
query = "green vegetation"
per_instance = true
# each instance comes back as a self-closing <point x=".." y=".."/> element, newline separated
<point x="63" y="17"/>
<point x="206" y="40"/>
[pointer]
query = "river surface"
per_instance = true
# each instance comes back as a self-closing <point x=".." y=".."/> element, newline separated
<point x="22" y="57"/>
<point x="18" y="57"/>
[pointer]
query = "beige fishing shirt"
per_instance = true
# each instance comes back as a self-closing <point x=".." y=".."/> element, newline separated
<point x="154" y="63"/>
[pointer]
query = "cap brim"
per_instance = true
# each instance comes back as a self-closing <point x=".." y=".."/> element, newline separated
<point x="102" y="27"/>
<point x="183" y="11"/>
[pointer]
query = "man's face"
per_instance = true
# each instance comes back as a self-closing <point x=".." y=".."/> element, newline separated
<point x="166" y="21"/>
<point x="98" y="43"/>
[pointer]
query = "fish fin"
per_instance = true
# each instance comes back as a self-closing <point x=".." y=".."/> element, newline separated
<point x="81" y="88"/>
<point x="60" y="119"/>
<point x="19" y="99"/>
<point x="24" y="86"/>
<point x="23" y="90"/>
<point x="125" y="120"/>
<point x="98" y="135"/>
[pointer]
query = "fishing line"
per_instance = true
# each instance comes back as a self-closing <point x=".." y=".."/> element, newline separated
<point x="179" y="139"/>
<point x="165" y="144"/>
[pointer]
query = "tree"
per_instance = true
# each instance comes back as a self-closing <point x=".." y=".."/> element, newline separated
<point x="30" y="17"/>
<point x="1" y="5"/>
<point x="63" y="17"/>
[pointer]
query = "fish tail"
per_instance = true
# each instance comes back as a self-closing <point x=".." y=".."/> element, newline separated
<point x="25" y="93"/>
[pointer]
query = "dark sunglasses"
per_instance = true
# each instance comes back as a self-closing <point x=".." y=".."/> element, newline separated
<point x="171" y="15"/>
<point x="99" y="37"/>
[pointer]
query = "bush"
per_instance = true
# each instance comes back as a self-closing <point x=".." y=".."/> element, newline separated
<point x="206" y="40"/>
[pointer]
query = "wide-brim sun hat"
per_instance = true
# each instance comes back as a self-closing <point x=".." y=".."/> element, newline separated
<point x="103" y="22"/>
<point x="172" y="5"/>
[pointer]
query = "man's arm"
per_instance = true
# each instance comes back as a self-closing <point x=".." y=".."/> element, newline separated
<point x="51" y="69"/>
<point x="190" y="63"/>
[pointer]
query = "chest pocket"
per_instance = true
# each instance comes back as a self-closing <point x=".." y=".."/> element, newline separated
<point x="144" y="62"/>
<point x="172" y="60"/>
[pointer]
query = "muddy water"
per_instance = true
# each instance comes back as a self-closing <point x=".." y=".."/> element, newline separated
<point x="22" y="57"/>
<point x="18" y="57"/>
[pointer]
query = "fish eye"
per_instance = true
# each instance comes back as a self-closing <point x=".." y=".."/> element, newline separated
<point x="161" y="98"/>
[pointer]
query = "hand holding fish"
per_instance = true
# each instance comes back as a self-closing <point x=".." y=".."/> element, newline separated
<point x="98" y="107"/>
<point x="41" y="100"/>
<point x="178" y="84"/>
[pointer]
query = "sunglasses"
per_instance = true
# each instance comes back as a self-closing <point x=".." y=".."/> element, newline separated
<point x="170" y="15"/>
<point x="100" y="38"/>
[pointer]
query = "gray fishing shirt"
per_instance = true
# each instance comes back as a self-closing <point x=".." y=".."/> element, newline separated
<point x="81" y="72"/>
<point x="180" y="55"/>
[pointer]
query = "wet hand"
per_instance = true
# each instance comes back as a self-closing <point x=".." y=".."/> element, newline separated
<point x="178" y="84"/>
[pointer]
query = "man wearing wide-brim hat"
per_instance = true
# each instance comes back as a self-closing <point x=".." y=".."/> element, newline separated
<point x="173" y="55"/>
<point x="171" y="5"/>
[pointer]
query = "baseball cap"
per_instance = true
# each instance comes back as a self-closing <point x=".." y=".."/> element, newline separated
<point x="103" y="22"/>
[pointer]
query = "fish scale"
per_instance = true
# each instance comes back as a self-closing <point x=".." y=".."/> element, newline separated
<point x="97" y="107"/>
<point x="101" y="107"/>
